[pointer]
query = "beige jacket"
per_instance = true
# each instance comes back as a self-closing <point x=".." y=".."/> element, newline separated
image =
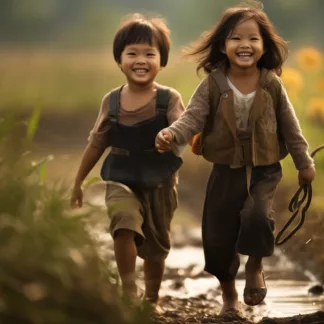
<point x="273" y="126"/>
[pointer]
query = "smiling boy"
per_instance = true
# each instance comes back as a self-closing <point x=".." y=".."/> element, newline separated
<point x="141" y="196"/>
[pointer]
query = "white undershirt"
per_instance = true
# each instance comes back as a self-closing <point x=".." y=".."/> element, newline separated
<point x="242" y="105"/>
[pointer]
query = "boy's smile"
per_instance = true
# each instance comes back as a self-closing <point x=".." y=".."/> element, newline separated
<point x="140" y="63"/>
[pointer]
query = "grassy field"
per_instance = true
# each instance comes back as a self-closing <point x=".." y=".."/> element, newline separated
<point x="69" y="83"/>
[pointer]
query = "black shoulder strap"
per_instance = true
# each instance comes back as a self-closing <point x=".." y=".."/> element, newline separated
<point x="162" y="100"/>
<point x="114" y="104"/>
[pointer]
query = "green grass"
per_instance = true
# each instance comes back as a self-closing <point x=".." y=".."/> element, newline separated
<point x="51" y="271"/>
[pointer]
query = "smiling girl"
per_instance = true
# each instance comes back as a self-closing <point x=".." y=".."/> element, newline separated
<point x="248" y="125"/>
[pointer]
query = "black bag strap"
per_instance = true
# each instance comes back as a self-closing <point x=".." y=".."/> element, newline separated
<point x="114" y="104"/>
<point x="162" y="100"/>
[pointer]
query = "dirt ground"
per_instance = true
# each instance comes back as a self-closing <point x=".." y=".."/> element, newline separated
<point x="199" y="310"/>
<point x="306" y="249"/>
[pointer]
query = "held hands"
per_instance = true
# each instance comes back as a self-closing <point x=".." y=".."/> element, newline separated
<point x="164" y="140"/>
<point x="77" y="197"/>
<point x="306" y="176"/>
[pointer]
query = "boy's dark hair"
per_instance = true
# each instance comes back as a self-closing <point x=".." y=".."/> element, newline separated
<point x="208" y="52"/>
<point x="140" y="30"/>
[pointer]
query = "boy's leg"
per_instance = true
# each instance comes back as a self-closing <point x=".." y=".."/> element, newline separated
<point x="125" y="213"/>
<point x="159" y="205"/>
<point x="153" y="273"/>
<point x="125" y="254"/>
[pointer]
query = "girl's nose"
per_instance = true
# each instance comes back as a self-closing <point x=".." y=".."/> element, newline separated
<point x="245" y="45"/>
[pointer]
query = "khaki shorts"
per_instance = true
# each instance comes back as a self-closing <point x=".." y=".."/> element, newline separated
<point x="147" y="212"/>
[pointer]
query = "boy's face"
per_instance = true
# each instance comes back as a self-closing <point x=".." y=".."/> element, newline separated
<point x="140" y="63"/>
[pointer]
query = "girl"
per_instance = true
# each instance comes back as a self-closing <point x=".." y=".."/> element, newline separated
<point x="248" y="123"/>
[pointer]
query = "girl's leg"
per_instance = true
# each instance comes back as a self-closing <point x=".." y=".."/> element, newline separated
<point x="256" y="290"/>
<point x="256" y="237"/>
<point x="230" y="296"/>
<point x="226" y="193"/>
<point x="125" y="254"/>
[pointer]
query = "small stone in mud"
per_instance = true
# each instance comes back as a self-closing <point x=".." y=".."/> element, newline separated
<point x="316" y="290"/>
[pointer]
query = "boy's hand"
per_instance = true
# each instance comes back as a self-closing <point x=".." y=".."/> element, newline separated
<point x="77" y="197"/>
<point x="306" y="176"/>
<point x="164" y="140"/>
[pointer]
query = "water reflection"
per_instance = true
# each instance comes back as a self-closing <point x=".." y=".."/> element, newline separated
<point x="287" y="293"/>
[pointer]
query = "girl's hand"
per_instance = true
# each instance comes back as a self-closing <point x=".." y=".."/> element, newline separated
<point x="164" y="140"/>
<point x="77" y="197"/>
<point x="306" y="176"/>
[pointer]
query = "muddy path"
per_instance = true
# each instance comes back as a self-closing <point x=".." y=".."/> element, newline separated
<point x="190" y="295"/>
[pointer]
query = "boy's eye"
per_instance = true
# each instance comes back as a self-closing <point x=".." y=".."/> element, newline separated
<point x="131" y="53"/>
<point x="255" y="38"/>
<point x="150" y="54"/>
<point x="235" y="38"/>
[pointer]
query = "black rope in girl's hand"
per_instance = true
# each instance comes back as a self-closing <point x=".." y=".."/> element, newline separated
<point x="295" y="205"/>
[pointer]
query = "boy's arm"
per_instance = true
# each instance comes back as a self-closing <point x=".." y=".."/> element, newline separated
<point x="193" y="120"/>
<point x="90" y="157"/>
<point x="98" y="142"/>
<point x="291" y="131"/>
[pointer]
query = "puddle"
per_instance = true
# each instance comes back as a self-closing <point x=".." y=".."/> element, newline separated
<point x="287" y="285"/>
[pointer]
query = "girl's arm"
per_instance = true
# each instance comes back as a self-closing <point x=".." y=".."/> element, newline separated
<point x="193" y="120"/>
<point x="296" y="143"/>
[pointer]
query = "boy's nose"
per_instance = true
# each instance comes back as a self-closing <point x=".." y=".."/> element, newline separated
<point x="140" y="60"/>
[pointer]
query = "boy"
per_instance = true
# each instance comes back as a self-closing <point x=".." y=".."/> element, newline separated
<point x="141" y="195"/>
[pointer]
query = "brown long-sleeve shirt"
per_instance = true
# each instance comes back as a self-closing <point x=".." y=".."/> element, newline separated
<point x="99" y="135"/>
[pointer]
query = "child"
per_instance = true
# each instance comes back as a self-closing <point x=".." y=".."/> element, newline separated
<point x="247" y="121"/>
<point x="141" y="196"/>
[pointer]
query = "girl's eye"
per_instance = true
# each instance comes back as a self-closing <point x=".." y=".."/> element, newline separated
<point x="255" y="38"/>
<point x="235" y="38"/>
<point x="150" y="54"/>
<point x="131" y="53"/>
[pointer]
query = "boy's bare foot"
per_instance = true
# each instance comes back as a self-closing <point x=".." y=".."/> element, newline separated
<point x="255" y="287"/>
<point x="154" y="306"/>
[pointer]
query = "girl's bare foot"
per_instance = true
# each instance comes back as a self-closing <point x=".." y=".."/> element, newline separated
<point x="230" y="297"/>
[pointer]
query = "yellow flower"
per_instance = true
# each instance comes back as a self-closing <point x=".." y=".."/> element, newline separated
<point x="320" y="85"/>
<point x="309" y="58"/>
<point x="293" y="81"/>
<point x="315" y="108"/>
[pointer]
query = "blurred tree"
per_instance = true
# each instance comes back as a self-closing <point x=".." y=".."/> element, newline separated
<point x="85" y="23"/>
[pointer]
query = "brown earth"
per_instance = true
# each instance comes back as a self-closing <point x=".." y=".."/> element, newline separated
<point x="305" y="248"/>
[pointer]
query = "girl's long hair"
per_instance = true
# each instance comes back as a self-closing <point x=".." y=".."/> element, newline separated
<point x="207" y="51"/>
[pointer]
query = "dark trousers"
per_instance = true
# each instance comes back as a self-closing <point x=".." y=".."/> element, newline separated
<point x="235" y="221"/>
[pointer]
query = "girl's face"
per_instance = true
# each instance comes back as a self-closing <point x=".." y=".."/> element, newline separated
<point x="140" y="63"/>
<point x="244" y="46"/>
